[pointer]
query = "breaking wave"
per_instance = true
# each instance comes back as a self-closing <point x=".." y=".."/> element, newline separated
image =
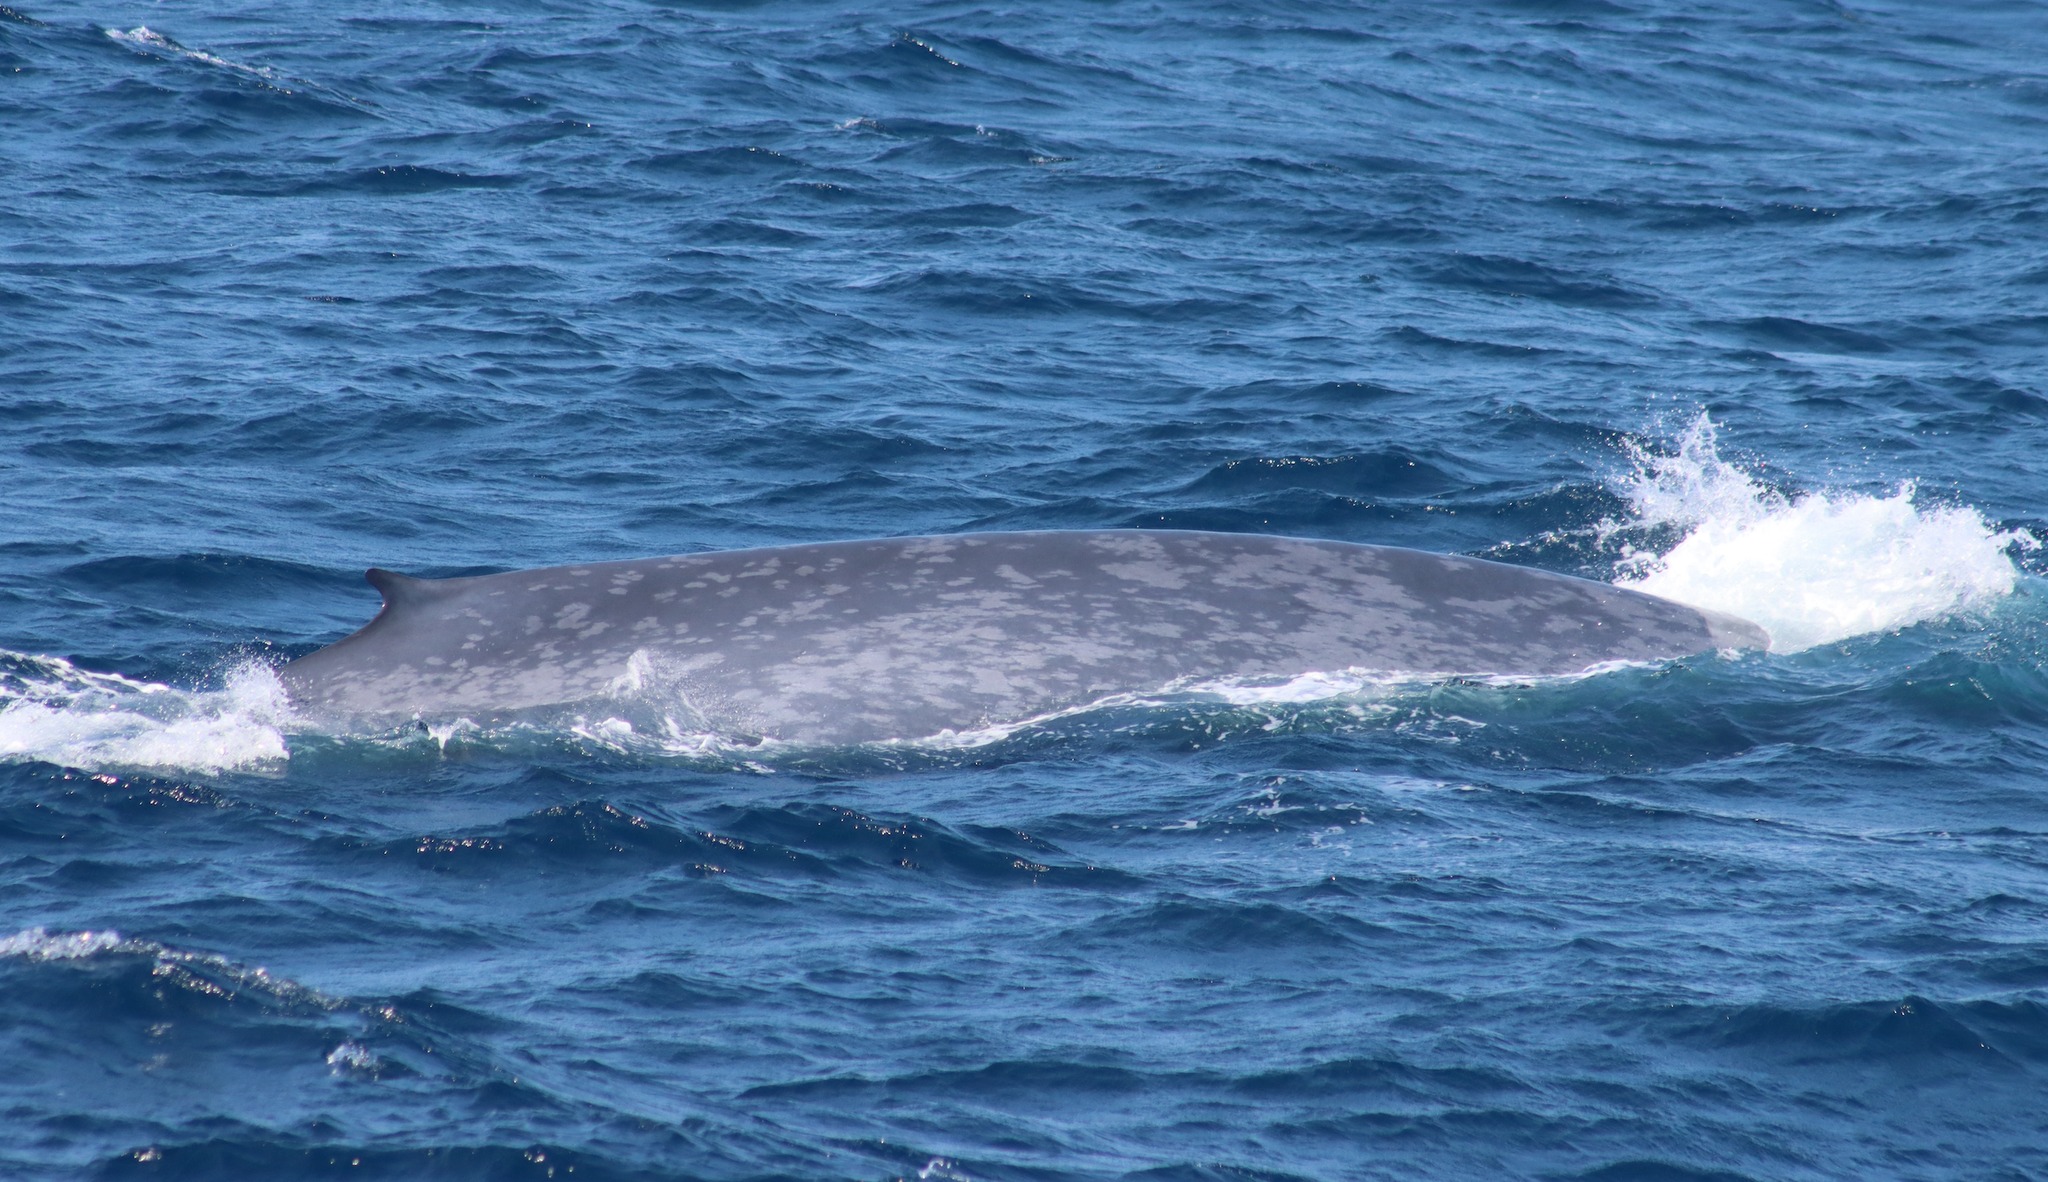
<point x="144" y="39"/>
<point x="147" y="41"/>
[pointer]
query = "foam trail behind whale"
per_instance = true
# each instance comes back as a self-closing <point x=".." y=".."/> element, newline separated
<point x="51" y="710"/>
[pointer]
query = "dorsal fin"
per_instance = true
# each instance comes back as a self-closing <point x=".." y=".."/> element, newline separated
<point x="398" y="590"/>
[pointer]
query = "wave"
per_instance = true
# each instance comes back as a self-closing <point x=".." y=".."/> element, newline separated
<point x="144" y="39"/>
<point x="801" y="841"/>
<point x="204" y="973"/>
<point x="1812" y="568"/>
<point x="147" y="41"/>
<point x="124" y="1007"/>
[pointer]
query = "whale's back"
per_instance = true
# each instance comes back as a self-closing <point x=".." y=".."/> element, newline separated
<point x="911" y="637"/>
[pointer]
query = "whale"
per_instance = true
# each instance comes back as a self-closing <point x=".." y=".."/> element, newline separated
<point x="886" y="639"/>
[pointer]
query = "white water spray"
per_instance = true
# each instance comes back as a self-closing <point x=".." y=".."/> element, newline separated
<point x="51" y="710"/>
<point x="1811" y="569"/>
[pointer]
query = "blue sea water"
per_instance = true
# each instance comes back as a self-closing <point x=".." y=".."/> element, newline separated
<point x="1745" y="303"/>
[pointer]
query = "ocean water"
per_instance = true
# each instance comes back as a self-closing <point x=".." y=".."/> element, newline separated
<point x="1744" y="304"/>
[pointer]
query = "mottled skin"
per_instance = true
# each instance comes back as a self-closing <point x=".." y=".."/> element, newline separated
<point x="911" y="637"/>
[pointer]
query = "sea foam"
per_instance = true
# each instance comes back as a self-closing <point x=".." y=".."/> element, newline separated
<point x="51" y="710"/>
<point x="1813" y="568"/>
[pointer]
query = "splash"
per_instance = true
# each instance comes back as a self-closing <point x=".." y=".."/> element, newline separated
<point x="53" y="711"/>
<point x="1808" y="569"/>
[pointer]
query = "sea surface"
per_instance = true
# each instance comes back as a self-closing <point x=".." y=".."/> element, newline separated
<point x="1744" y="303"/>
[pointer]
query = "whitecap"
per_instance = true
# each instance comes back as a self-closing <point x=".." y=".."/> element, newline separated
<point x="352" y="1056"/>
<point x="39" y="944"/>
<point x="148" y="40"/>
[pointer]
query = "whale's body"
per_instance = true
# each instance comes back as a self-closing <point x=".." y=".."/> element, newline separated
<point x="906" y="638"/>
